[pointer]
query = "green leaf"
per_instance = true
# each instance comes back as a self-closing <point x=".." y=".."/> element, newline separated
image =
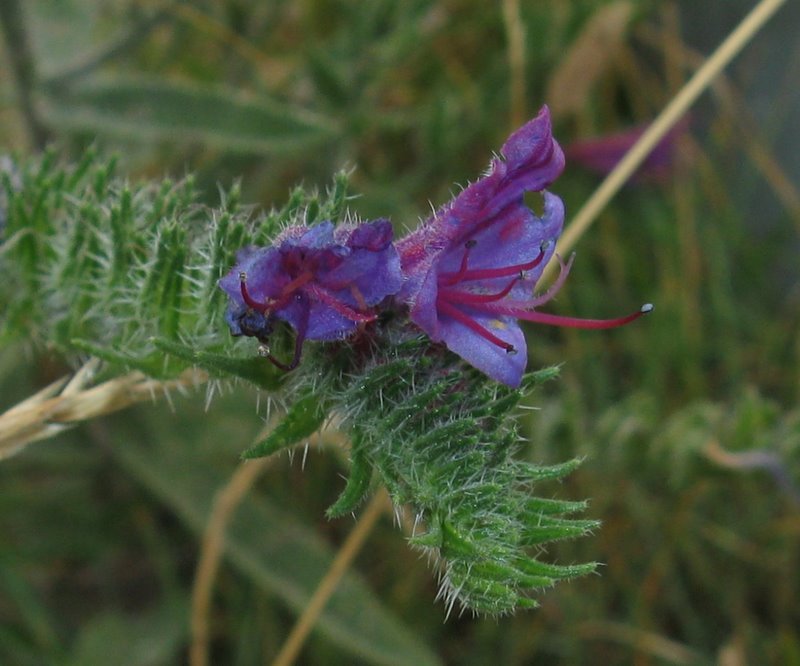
<point x="142" y="108"/>
<point x="555" y="571"/>
<point x="250" y="368"/>
<point x="302" y="420"/>
<point x="552" y="529"/>
<point x="138" y="640"/>
<point x="152" y="366"/>
<point x="277" y="553"/>
<point x="357" y="484"/>
<point x="547" y="472"/>
<point x="542" y="506"/>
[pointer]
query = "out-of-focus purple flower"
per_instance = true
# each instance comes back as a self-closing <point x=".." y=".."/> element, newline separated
<point x="322" y="280"/>
<point x="601" y="154"/>
<point x="472" y="268"/>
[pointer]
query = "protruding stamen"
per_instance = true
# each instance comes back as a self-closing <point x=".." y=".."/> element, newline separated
<point x="302" y="328"/>
<point x="452" y="311"/>
<point x="572" y="322"/>
<point x="247" y="298"/>
<point x="541" y="299"/>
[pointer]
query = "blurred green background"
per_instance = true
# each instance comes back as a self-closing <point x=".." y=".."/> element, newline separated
<point x="689" y="420"/>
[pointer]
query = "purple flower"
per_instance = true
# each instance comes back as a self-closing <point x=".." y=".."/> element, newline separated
<point x="472" y="268"/>
<point x="322" y="280"/>
<point x="601" y="154"/>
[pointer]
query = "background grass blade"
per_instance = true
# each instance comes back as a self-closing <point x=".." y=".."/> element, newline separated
<point x="159" y="110"/>
<point x="278" y="554"/>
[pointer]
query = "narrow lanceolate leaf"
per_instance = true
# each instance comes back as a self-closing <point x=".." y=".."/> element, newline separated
<point x="152" y="364"/>
<point x="186" y="112"/>
<point x="254" y="370"/>
<point x="302" y="420"/>
<point x="358" y="483"/>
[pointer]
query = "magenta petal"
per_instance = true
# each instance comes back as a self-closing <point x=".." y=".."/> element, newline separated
<point x="531" y="160"/>
<point x="486" y="245"/>
<point x="319" y="279"/>
<point x="496" y="362"/>
<point x="601" y="154"/>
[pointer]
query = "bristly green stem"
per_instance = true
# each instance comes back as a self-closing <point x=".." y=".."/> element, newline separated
<point x="128" y="273"/>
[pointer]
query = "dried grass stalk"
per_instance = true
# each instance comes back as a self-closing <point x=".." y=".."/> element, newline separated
<point x="68" y="401"/>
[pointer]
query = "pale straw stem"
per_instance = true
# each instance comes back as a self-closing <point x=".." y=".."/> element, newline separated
<point x="350" y="548"/>
<point x="69" y="401"/>
<point x="663" y="123"/>
<point x="515" y="33"/>
<point x="212" y="547"/>
<point x="211" y="550"/>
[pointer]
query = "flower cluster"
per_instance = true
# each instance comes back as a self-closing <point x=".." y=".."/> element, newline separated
<point x="467" y="275"/>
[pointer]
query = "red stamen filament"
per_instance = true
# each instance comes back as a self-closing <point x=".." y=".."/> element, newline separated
<point x="343" y="309"/>
<point x="452" y="311"/>
<point x="455" y="296"/>
<point x="286" y="293"/>
<point x="449" y="279"/>
<point x="570" y="322"/>
<point x="247" y="298"/>
<point x="454" y="278"/>
<point x="541" y="299"/>
<point x="302" y="329"/>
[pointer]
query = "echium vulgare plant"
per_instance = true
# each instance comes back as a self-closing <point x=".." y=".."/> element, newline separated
<point x="411" y="346"/>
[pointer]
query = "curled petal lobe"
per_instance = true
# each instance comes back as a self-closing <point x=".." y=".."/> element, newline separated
<point x="529" y="161"/>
